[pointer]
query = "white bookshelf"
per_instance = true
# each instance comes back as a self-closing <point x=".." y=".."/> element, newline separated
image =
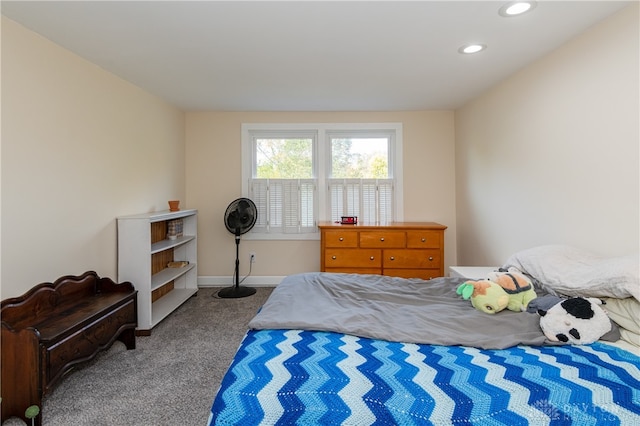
<point x="143" y="252"/>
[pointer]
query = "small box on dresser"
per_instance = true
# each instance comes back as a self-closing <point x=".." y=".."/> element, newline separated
<point x="400" y="249"/>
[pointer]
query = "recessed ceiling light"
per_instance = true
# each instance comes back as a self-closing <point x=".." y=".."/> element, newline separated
<point x="516" y="8"/>
<point x="472" y="48"/>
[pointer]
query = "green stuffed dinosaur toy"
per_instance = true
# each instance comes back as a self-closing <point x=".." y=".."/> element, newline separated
<point x="501" y="290"/>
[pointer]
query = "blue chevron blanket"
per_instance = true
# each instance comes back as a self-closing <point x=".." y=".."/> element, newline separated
<point x="287" y="377"/>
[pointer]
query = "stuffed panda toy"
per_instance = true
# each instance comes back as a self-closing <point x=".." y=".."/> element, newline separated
<point x="576" y="320"/>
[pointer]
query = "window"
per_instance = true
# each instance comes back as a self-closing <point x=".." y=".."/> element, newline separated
<point x="282" y="182"/>
<point x="360" y="180"/>
<point x="300" y="174"/>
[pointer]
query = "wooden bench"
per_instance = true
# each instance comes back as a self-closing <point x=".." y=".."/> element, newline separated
<point x="53" y="327"/>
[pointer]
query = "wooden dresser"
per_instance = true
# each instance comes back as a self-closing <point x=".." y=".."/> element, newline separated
<point x="400" y="249"/>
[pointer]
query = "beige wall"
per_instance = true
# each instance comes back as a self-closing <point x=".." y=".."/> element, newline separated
<point x="551" y="154"/>
<point x="213" y="152"/>
<point x="79" y="148"/>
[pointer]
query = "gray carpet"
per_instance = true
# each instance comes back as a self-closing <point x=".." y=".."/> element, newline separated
<point x="169" y="379"/>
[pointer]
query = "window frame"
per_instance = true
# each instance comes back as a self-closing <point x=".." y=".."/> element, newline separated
<point x="321" y="161"/>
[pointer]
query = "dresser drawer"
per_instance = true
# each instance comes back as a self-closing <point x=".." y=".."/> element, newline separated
<point x="424" y="239"/>
<point x="383" y="239"/>
<point x="411" y="258"/>
<point x="340" y="238"/>
<point x="350" y="258"/>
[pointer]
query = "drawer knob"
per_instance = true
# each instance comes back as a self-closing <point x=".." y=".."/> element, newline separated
<point x="392" y="258"/>
<point x="423" y="239"/>
<point x="381" y="238"/>
<point x="333" y="257"/>
<point x="371" y="258"/>
<point x="430" y="257"/>
<point x="340" y="239"/>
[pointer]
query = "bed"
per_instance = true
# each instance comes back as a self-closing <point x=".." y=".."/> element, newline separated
<point x="352" y="349"/>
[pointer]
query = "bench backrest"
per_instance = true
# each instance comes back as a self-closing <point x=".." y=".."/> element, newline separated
<point x="28" y="309"/>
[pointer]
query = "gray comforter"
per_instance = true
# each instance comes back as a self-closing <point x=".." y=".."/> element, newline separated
<point x="394" y="309"/>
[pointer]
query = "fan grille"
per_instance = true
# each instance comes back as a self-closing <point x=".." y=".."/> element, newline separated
<point x="240" y="216"/>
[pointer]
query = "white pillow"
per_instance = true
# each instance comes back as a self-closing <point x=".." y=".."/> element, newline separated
<point x="568" y="271"/>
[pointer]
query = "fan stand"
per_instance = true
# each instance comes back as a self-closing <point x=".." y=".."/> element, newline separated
<point x="236" y="291"/>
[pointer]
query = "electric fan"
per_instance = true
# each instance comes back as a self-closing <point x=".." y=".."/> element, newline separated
<point x="239" y="218"/>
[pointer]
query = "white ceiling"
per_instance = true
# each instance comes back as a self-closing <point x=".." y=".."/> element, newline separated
<point x="308" y="56"/>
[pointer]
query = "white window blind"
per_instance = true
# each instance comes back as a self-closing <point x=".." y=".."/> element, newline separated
<point x="285" y="206"/>
<point x="369" y="199"/>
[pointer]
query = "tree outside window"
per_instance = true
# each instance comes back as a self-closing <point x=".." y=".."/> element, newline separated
<point x="360" y="158"/>
<point x="284" y="158"/>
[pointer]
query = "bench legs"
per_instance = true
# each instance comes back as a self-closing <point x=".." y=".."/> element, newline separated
<point x="128" y="337"/>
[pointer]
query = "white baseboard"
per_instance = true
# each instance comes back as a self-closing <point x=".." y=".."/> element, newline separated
<point x="264" y="281"/>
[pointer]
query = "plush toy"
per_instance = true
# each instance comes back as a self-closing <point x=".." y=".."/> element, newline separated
<point x="501" y="290"/>
<point x="516" y="285"/>
<point x="576" y="320"/>
<point x="486" y="296"/>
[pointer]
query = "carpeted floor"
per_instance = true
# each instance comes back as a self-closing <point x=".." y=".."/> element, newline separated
<point x="169" y="379"/>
